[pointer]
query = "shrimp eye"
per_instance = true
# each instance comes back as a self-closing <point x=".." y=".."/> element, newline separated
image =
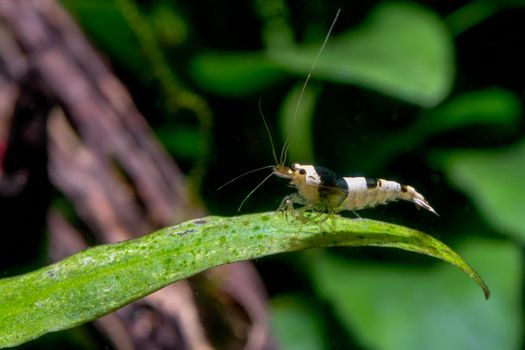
<point x="302" y="171"/>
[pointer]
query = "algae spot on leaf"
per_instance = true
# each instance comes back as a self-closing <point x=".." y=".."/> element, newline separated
<point x="199" y="221"/>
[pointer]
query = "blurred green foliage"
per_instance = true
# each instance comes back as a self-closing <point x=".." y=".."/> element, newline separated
<point x="400" y="49"/>
<point x="401" y="307"/>
<point x="297" y="324"/>
<point x="494" y="181"/>
<point x="425" y="93"/>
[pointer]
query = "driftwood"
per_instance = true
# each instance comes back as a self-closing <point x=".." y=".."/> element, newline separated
<point x="65" y="116"/>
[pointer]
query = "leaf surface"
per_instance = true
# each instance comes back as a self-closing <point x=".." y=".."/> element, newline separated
<point x="99" y="280"/>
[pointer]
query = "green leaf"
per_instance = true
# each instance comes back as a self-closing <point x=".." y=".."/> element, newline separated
<point x="475" y="12"/>
<point x="167" y="24"/>
<point x="296" y="121"/>
<point x="405" y="307"/>
<point x="402" y="50"/>
<point x="296" y="324"/>
<point x="488" y="107"/>
<point x="492" y="107"/>
<point x="101" y="279"/>
<point x="185" y="142"/>
<point x="104" y="22"/>
<point x="493" y="179"/>
<point x="234" y="73"/>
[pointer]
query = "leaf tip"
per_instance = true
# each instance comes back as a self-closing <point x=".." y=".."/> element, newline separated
<point x="486" y="291"/>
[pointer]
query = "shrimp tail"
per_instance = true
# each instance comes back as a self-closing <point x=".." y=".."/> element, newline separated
<point x="410" y="194"/>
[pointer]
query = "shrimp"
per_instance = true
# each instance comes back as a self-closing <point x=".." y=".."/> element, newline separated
<point x="322" y="190"/>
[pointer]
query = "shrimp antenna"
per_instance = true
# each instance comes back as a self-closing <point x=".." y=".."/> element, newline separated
<point x="273" y="152"/>
<point x="268" y="131"/>
<point x="255" y="189"/>
<point x="286" y="143"/>
<point x="244" y="174"/>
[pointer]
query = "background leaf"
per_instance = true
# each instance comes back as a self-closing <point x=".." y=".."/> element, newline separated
<point x="488" y="107"/>
<point x="298" y="127"/>
<point x="234" y="73"/>
<point x="297" y="324"/>
<point x="492" y="108"/>
<point x="402" y="307"/>
<point x="493" y="179"/>
<point x="104" y="20"/>
<point x="402" y="50"/>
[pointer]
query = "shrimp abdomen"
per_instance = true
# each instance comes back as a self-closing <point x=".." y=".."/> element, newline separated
<point x="369" y="192"/>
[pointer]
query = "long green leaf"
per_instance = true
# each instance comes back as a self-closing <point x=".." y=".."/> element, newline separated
<point x="101" y="279"/>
